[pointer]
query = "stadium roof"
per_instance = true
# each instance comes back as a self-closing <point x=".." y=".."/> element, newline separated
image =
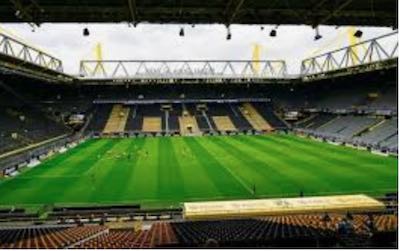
<point x="310" y="12"/>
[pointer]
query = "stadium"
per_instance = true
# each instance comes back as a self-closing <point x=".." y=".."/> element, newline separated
<point x="190" y="153"/>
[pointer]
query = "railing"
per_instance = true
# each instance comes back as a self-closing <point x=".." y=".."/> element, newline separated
<point x="178" y="101"/>
<point x="370" y="51"/>
<point x="16" y="49"/>
<point x="182" y="69"/>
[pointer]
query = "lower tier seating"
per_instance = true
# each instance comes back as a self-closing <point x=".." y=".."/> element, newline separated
<point x="284" y="231"/>
<point x="315" y="230"/>
<point x="46" y="237"/>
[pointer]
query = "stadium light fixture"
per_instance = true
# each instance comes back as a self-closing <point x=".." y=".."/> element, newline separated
<point x="86" y="32"/>
<point x="317" y="35"/>
<point x="181" y="32"/>
<point x="18" y="14"/>
<point x="274" y="31"/>
<point x="358" y="34"/>
<point x="229" y="34"/>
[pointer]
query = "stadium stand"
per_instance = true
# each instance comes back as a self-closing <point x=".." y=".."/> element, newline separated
<point x="283" y="231"/>
<point x="315" y="230"/>
<point x="151" y="124"/>
<point x="200" y="112"/>
<point x="380" y="133"/>
<point x="385" y="100"/>
<point x="117" y="120"/>
<point x="224" y="123"/>
<point x="188" y="123"/>
<point x="135" y="119"/>
<point x="237" y="118"/>
<point x="173" y="121"/>
<point x="254" y="118"/>
<point x="160" y="234"/>
<point x="315" y="121"/>
<point x="219" y="117"/>
<point x="269" y="115"/>
<point x="46" y="237"/>
<point x="99" y="118"/>
<point x="23" y="125"/>
<point x="311" y="230"/>
<point x="346" y="126"/>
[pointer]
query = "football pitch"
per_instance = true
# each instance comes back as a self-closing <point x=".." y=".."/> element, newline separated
<point x="166" y="171"/>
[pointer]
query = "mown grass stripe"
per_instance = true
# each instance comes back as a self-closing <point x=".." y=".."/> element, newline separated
<point x="222" y="179"/>
<point x="170" y="181"/>
<point x="223" y="164"/>
<point x="355" y="166"/>
<point x="275" y="180"/>
<point x="292" y="164"/>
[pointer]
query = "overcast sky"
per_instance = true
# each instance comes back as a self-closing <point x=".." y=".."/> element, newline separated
<point x="148" y="41"/>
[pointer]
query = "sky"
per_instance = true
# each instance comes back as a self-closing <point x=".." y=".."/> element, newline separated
<point x="162" y="42"/>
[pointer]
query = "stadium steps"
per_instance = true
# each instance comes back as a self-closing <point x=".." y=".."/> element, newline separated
<point x="389" y="137"/>
<point x="370" y="128"/>
<point x="24" y="140"/>
<point x="303" y="122"/>
<point x="318" y="121"/>
<point x="224" y="123"/>
<point x="254" y="118"/>
<point x="207" y="119"/>
<point x="88" y="238"/>
<point x="373" y="127"/>
<point x="280" y="119"/>
<point x="188" y="125"/>
<point x="329" y="122"/>
<point x="117" y="120"/>
<point x="151" y="124"/>
<point x="166" y="121"/>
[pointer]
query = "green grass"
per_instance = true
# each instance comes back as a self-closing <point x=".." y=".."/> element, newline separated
<point x="166" y="171"/>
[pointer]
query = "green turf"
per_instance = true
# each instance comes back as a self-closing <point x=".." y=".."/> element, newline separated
<point x="166" y="171"/>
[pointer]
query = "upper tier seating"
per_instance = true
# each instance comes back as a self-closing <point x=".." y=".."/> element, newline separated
<point x="387" y="100"/>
